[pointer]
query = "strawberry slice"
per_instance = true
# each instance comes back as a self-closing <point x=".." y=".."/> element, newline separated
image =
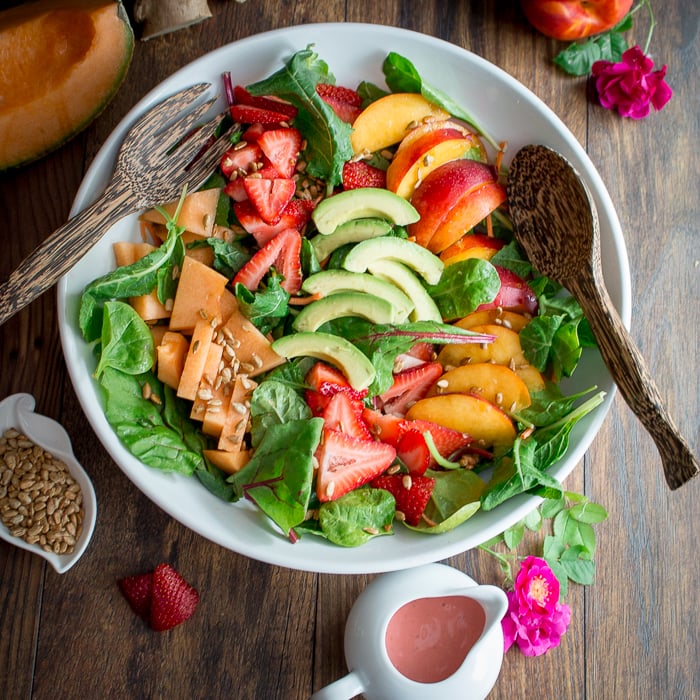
<point x="253" y="133"/>
<point x="282" y="147"/>
<point x="358" y="173"/>
<point x="295" y="215"/>
<point x="413" y="451"/>
<point x="409" y="386"/>
<point x="345" y="415"/>
<point x="345" y="463"/>
<point x="246" y="114"/>
<point x="269" y="196"/>
<point x="447" y="441"/>
<point x="242" y="97"/>
<point x="239" y="159"/>
<point x="138" y="590"/>
<point x="411" y="494"/>
<point x="324" y="382"/>
<point x="282" y="252"/>
<point x="345" y="102"/>
<point x="384" y="427"/>
<point x="173" y="600"/>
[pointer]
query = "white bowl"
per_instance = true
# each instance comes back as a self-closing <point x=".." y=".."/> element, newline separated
<point x="354" y="52"/>
<point x="17" y="411"/>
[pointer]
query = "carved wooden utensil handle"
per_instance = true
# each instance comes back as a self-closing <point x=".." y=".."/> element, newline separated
<point x="40" y="270"/>
<point x="629" y="370"/>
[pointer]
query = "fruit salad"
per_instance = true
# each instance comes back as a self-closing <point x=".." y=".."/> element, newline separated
<point x="339" y="326"/>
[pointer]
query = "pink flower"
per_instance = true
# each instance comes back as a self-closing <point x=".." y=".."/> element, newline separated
<point x="535" y="620"/>
<point x="631" y="85"/>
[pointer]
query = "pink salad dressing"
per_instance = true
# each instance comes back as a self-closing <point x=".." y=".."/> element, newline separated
<point x="427" y="639"/>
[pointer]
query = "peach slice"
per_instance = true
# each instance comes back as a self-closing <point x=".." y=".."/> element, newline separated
<point x="532" y="377"/>
<point x="412" y="163"/>
<point x="474" y="245"/>
<point x="387" y="120"/>
<point x="498" y="384"/>
<point x="499" y="316"/>
<point x="441" y="190"/>
<point x="485" y="422"/>
<point x="472" y="208"/>
<point x="504" y="350"/>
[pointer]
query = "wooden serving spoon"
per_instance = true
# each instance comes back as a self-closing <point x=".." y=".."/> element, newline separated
<point x="556" y="223"/>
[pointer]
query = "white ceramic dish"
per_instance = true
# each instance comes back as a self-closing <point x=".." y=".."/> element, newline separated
<point x="17" y="411"/>
<point x="353" y="52"/>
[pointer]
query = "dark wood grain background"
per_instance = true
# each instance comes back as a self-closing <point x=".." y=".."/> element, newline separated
<point x="266" y="632"/>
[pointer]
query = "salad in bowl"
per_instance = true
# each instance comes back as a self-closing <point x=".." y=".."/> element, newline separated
<point x="338" y="338"/>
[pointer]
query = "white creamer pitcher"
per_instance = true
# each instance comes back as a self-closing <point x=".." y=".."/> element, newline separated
<point x="423" y="633"/>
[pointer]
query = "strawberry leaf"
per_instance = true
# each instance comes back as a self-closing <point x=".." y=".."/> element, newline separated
<point x="578" y="59"/>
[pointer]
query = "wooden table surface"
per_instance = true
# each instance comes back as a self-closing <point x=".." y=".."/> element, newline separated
<point x="266" y="632"/>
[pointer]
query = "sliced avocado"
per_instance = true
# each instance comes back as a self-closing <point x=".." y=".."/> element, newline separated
<point x="404" y="278"/>
<point x="352" y="231"/>
<point x="334" y="281"/>
<point x="361" y="203"/>
<point x="373" y="308"/>
<point x="353" y="363"/>
<point x="415" y="256"/>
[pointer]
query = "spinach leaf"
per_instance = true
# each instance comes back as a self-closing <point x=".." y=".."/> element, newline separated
<point x="229" y="257"/>
<point x="274" y="403"/>
<point x="369" y="92"/>
<point x="265" y="308"/>
<point x="327" y="136"/>
<point x="464" y="286"/>
<point x="402" y="76"/>
<point x="512" y="258"/>
<point x="357" y="517"/>
<point x="139" y="424"/>
<point x="279" y="476"/>
<point x="141" y="277"/>
<point x="127" y="342"/>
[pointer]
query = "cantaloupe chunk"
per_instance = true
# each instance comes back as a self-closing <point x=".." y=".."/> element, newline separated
<point x="197" y="214"/>
<point x="147" y="306"/>
<point x="205" y="398"/>
<point x="195" y="360"/>
<point x="170" y="356"/>
<point x="234" y="429"/>
<point x="158" y="333"/>
<point x="229" y="462"/>
<point x="61" y="62"/>
<point x="253" y="349"/>
<point x="198" y="295"/>
<point x="228" y="305"/>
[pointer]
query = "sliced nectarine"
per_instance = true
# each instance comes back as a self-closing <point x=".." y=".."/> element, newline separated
<point x="387" y="120"/>
<point x="501" y="317"/>
<point x="504" y="350"/>
<point x="515" y="294"/>
<point x="485" y="422"/>
<point x="411" y="164"/>
<point x="473" y="245"/>
<point x="441" y="190"/>
<point x="472" y="208"/>
<point x="498" y="384"/>
<point x="534" y="381"/>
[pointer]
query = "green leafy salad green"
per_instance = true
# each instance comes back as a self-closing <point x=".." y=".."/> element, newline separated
<point x="285" y="432"/>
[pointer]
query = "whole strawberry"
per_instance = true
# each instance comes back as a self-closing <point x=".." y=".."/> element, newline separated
<point x="162" y="597"/>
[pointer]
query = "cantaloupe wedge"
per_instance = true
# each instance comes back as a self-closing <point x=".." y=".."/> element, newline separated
<point x="195" y="360"/>
<point x="198" y="295"/>
<point x="61" y="63"/>
<point x="170" y="358"/>
<point x="237" y="415"/>
<point x="197" y="214"/>
<point x="229" y="462"/>
<point x="252" y="349"/>
<point x="209" y="403"/>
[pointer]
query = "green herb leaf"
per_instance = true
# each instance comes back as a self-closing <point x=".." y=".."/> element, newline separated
<point x="267" y="307"/>
<point x="327" y="136"/>
<point x="358" y="517"/>
<point x="274" y="403"/>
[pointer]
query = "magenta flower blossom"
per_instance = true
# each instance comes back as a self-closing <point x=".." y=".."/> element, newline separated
<point x="535" y="620"/>
<point x="631" y="85"/>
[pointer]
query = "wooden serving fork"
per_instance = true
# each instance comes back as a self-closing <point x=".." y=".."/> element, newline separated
<point x="166" y="150"/>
